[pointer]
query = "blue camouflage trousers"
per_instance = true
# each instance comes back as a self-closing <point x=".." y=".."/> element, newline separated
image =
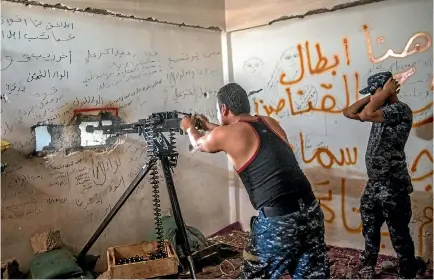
<point x="293" y="243"/>
<point x="387" y="201"/>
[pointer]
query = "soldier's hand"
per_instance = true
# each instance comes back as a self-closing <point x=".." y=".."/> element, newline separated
<point x="391" y="86"/>
<point x="202" y="118"/>
<point x="204" y="122"/>
<point x="186" y="122"/>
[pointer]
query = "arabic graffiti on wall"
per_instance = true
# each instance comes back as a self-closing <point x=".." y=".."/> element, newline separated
<point x="49" y="57"/>
<point x="346" y="157"/>
<point x="291" y="92"/>
<point x="424" y="216"/>
<point x="38" y="30"/>
<point x="404" y="53"/>
<point x="329" y="103"/>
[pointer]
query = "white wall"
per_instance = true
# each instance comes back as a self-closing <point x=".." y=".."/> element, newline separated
<point x="243" y="14"/>
<point x="89" y="60"/>
<point x="204" y="13"/>
<point x="31" y="200"/>
<point x="321" y="137"/>
<point x="227" y="15"/>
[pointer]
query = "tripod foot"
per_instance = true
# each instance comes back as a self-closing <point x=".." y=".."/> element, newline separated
<point x="191" y="266"/>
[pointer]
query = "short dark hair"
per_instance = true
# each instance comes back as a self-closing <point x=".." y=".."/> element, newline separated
<point x="235" y="98"/>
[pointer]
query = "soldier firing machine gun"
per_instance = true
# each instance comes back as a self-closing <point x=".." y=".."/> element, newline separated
<point x="159" y="148"/>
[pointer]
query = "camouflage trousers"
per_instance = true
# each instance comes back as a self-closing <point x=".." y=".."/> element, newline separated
<point x="293" y="243"/>
<point x="387" y="201"/>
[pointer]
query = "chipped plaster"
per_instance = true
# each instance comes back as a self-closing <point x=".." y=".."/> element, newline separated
<point x="91" y="10"/>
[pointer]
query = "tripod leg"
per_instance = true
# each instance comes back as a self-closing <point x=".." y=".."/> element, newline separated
<point x="177" y="213"/>
<point x="145" y="169"/>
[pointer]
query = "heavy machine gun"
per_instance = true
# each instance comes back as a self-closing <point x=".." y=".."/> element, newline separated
<point x="161" y="149"/>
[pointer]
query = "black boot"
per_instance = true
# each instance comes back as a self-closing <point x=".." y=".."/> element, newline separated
<point x="419" y="267"/>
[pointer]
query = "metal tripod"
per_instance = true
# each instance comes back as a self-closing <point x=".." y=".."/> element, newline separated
<point x="173" y="200"/>
<point x="159" y="149"/>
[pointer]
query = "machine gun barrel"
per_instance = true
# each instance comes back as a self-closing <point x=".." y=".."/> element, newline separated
<point x="160" y="122"/>
<point x="114" y="128"/>
<point x="186" y="114"/>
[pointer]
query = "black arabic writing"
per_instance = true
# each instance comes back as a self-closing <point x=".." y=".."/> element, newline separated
<point x="57" y="74"/>
<point x="173" y="77"/>
<point x="191" y="58"/>
<point x="18" y="35"/>
<point x="37" y="23"/>
<point x="49" y="57"/>
<point x="113" y="52"/>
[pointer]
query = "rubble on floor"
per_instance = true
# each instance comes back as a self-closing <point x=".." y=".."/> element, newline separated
<point x="11" y="270"/>
<point x="46" y="241"/>
<point x="343" y="261"/>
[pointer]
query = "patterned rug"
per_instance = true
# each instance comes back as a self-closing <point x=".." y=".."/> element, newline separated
<point x="343" y="261"/>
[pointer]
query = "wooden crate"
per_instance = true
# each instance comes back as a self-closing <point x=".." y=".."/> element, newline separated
<point x="143" y="269"/>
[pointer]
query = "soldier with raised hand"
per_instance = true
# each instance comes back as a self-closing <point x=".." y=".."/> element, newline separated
<point x="386" y="196"/>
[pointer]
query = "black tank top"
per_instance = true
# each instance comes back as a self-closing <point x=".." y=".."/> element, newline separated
<point x="272" y="176"/>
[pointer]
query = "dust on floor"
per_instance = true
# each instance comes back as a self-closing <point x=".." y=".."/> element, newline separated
<point x="343" y="261"/>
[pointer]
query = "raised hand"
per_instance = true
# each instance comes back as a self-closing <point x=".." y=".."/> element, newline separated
<point x="391" y="86"/>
